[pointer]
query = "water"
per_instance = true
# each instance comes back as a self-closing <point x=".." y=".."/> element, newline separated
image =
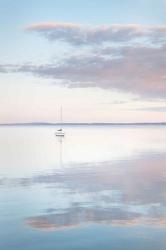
<point x="99" y="187"/>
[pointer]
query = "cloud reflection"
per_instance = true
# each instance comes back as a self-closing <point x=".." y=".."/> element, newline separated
<point x="78" y="217"/>
<point x="126" y="193"/>
<point x="139" y="181"/>
<point x="74" y="217"/>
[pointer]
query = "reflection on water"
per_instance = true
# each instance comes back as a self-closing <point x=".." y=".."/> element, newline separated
<point x="74" y="217"/>
<point x="93" y="179"/>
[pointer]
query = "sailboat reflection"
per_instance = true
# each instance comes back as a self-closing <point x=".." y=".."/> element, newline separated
<point x="60" y="142"/>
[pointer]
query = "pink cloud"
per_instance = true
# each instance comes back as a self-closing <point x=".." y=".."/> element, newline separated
<point x="136" y="69"/>
<point x="131" y="58"/>
<point x="77" y="34"/>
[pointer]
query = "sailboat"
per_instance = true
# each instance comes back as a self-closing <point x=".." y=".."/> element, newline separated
<point x="60" y="131"/>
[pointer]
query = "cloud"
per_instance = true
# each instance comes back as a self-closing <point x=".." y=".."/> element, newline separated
<point x="130" y="58"/>
<point x="77" y="34"/>
<point x="153" y="109"/>
<point x="136" y="69"/>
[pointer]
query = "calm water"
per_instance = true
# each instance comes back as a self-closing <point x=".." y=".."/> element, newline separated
<point x="100" y="187"/>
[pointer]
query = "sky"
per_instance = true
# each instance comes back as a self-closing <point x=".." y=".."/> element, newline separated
<point x="101" y="60"/>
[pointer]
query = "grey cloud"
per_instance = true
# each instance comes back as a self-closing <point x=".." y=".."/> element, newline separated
<point x="135" y="69"/>
<point x="138" y="68"/>
<point x="153" y="109"/>
<point x="76" y="34"/>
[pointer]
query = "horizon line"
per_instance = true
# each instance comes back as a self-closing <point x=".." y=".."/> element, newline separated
<point x="80" y="123"/>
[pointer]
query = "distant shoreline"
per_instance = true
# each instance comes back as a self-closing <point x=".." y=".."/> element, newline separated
<point x="82" y="124"/>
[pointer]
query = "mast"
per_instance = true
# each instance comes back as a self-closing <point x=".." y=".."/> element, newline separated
<point x="60" y="130"/>
<point x="61" y="117"/>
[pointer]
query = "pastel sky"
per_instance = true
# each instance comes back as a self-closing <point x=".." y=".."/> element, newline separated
<point x="102" y="60"/>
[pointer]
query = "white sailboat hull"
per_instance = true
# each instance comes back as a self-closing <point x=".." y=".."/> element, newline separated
<point x="60" y="133"/>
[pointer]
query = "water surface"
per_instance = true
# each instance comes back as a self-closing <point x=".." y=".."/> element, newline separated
<point x="99" y="187"/>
